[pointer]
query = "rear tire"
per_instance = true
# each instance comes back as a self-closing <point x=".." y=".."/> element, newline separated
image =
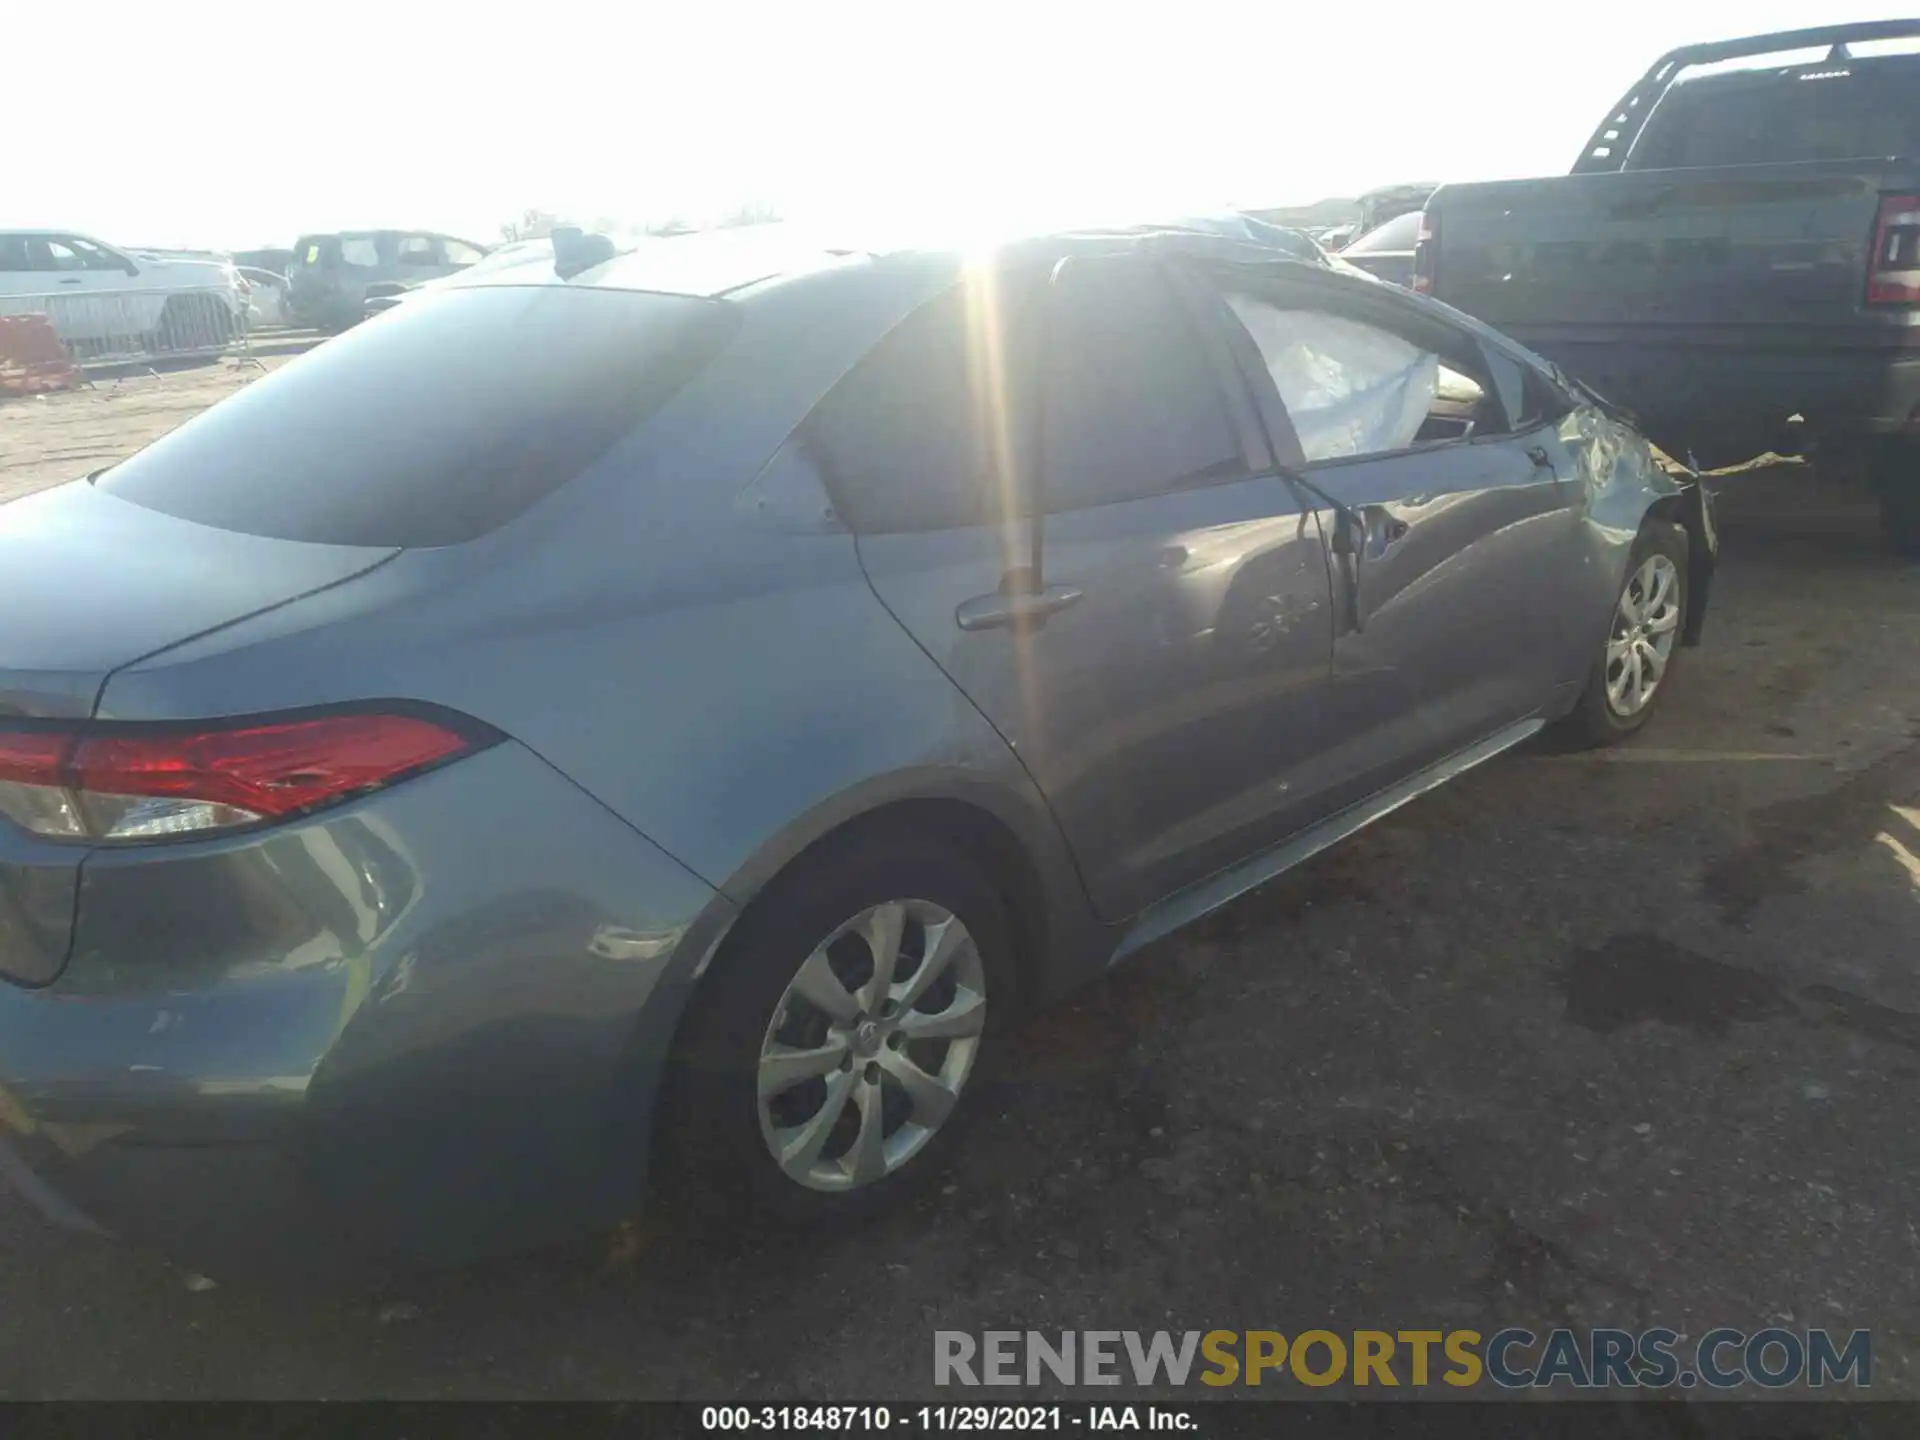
<point x="1640" y="635"/>
<point x="190" y="323"/>
<point x="730" y="1106"/>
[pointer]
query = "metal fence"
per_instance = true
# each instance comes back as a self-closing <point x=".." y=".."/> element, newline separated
<point x="119" y="326"/>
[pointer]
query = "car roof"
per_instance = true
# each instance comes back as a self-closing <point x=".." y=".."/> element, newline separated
<point x="734" y="262"/>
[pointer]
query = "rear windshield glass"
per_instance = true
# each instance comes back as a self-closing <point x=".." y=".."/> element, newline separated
<point x="1832" y="112"/>
<point x="433" y="424"/>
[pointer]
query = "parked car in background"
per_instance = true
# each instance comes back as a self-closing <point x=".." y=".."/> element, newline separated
<point x="329" y="276"/>
<point x="275" y="261"/>
<point x="1387" y="250"/>
<point x="266" y="297"/>
<point x="386" y="295"/>
<point x="688" y="713"/>
<point x="1734" y="249"/>
<point x="103" y="296"/>
<point x="1388" y="202"/>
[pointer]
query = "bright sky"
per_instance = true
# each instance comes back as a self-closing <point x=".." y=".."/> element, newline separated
<point x="240" y="126"/>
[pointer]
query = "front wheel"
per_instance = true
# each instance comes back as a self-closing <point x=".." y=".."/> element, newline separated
<point x="1636" y="662"/>
<point x="823" y="1068"/>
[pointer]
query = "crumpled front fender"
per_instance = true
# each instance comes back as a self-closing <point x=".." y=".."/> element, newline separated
<point x="1626" y="481"/>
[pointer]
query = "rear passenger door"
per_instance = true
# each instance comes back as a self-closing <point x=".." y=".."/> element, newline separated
<point x="1455" y="618"/>
<point x="1167" y="690"/>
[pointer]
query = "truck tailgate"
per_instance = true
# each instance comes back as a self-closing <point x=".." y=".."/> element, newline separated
<point x="1715" y="251"/>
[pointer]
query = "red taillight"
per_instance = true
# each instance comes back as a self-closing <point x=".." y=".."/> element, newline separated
<point x="141" y="782"/>
<point x="1426" y="253"/>
<point x="1893" y="269"/>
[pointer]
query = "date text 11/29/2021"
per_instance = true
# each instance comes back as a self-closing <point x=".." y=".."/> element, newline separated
<point x="936" y="1419"/>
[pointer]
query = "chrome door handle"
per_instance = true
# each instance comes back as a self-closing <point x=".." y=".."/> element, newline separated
<point x="1018" y="609"/>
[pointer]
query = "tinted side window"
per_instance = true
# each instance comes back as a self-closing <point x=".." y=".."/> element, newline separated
<point x="66" y="256"/>
<point x="316" y="250"/>
<point x="417" y="251"/>
<point x="929" y="430"/>
<point x="936" y="427"/>
<point x="1131" y="407"/>
<point x="92" y="256"/>
<point x="448" y="418"/>
<point x="361" y="250"/>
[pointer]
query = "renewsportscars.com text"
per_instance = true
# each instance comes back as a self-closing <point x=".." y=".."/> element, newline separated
<point x="1513" y="1359"/>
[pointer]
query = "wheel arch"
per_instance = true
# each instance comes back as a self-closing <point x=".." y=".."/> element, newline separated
<point x="1019" y="851"/>
<point x="1689" y="510"/>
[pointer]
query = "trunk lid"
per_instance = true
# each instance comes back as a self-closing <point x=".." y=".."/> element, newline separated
<point x="90" y="583"/>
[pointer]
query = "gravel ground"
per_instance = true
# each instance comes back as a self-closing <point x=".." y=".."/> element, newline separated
<point x="1625" y="1039"/>
<point x="45" y="439"/>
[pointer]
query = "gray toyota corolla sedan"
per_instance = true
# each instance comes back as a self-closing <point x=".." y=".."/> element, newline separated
<point x="681" y="716"/>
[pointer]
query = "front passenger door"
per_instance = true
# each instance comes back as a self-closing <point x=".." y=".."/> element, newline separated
<point x="1466" y="533"/>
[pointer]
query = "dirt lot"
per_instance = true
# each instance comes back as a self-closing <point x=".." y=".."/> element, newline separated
<point x="49" y="438"/>
<point x="1630" y="1039"/>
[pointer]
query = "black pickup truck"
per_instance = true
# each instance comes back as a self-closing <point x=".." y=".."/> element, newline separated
<point x="1735" y="257"/>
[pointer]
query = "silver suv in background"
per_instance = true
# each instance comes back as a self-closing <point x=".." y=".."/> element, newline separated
<point x="330" y="274"/>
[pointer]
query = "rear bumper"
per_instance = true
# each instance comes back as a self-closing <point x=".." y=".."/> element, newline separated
<point x="427" y="1026"/>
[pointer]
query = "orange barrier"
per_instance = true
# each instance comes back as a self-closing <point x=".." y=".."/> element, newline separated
<point x="32" y="358"/>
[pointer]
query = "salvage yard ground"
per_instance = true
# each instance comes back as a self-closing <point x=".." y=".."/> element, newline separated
<point x="1619" y="1039"/>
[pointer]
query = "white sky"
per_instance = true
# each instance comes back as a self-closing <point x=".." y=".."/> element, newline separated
<point x="234" y="126"/>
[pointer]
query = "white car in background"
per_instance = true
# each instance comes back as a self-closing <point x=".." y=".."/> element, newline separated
<point x="99" y="297"/>
<point x="266" y="298"/>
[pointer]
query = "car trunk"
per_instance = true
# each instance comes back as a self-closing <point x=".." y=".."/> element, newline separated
<point x="89" y="583"/>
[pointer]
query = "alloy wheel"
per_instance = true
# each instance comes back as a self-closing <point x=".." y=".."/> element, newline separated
<point x="1645" y="626"/>
<point x="871" y="1044"/>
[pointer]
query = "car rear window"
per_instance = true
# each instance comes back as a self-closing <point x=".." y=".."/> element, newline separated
<point x="1843" y="111"/>
<point x="435" y="423"/>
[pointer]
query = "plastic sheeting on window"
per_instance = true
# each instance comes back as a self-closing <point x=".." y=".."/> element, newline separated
<point x="1350" y="388"/>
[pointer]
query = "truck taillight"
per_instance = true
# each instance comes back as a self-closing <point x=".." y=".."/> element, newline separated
<point x="1426" y="253"/>
<point x="1893" y="269"/>
<point x="109" y="781"/>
